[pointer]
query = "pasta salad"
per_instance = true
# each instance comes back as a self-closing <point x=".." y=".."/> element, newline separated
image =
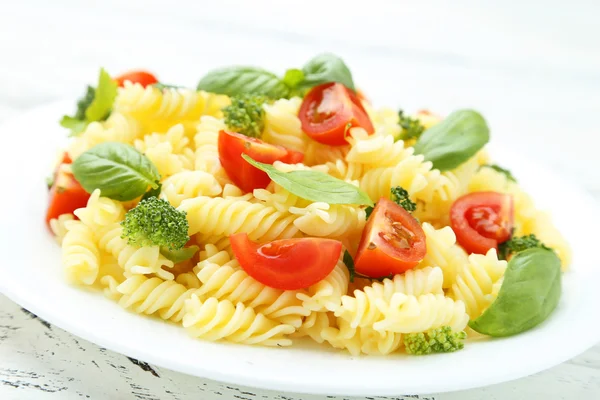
<point x="261" y="209"/>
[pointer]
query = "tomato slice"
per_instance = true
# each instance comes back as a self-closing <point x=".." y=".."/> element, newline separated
<point x="287" y="264"/>
<point x="144" y="78"/>
<point x="391" y="243"/>
<point x="328" y="109"/>
<point x="247" y="177"/>
<point x="482" y="220"/>
<point x="66" y="195"/>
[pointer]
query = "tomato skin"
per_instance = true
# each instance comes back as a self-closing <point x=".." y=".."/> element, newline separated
<point x="66" y="195"/>
<point x="327" y="110"/>
<point x="482" y="220"/>
<point x="144" y="78"/>
<point x="287" y="264"/>
<point x="392" y="242"/>
<point x="247" y="177"/>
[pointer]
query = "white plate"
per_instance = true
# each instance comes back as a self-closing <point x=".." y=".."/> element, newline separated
<point x="31" y="275"/>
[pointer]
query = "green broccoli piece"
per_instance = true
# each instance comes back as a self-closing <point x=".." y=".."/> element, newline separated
<point x="400" y="196"/>
<point x="411" y="127"/>
<point x="519" y="243"/>
<point x="84" y="102"/>
<point x="246" y="115"/>
<point x="155" y="222"/>
<point x="440" y="340"/>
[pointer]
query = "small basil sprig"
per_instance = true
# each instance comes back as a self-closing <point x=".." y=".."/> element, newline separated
<point x="454" y="140"/>
<point x="95" y="105"/>
<point x="238" y="80"/>
<point x="314" y="185"/>
<point x="117" y="169"/>
<point x="530" y="292"/>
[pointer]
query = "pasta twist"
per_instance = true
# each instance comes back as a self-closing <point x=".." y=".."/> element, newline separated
<point x="326" y="295"/>
<point x="206" y="142"/>
<point x="475" y="282"/>
<point x="361" y="340"/>
<point x="219" y="216"/>
<point x="412" y="314"/>
<point x="315" y="324"/>
<point x="223" y="279"/>
<point x="443" y="252"/>
<point x="376" y="150"/>
<point x="214" y="320"/>
<point x="80" y="254"/>
<point x="318" y="153"/>
<point x="168" y="104"/>
<point x="154" y="296"/>
<point x="362" y="311"/>
<point x="133" y="260"/>
<point x="189" y="184"/>
<point x="58" y="228"/>
<point x="175" y="136"/>
<point x="329" y="220"/>
<point x="100" y="211"/>
<point x="282" y="125"/>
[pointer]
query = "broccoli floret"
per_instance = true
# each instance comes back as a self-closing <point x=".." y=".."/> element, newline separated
<point x="84" y="102"/>
<point x="440" y="340"/>
<point x="519" y="243"/>
<point x="246" y="115"/>
<point x="155" y="222"/>
<point x="400" y="197"/>
<point x="411" y="127"/>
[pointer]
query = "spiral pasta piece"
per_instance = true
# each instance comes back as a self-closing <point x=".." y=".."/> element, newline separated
<point x="329" y="220"/>
<point x="315" y="324"/>
<point x="413" y="314"/>
<point x="326" y="295"/>
<point x="80" y="254"/>
<point x="443" y="252"/>
<point x="219" y="216"/>
<point x="361" y="309"/>
<point x="154" y="296"/>
<point x="189" y="184"/>
<point x="361" y="340"/>
<point x="475" y="282"/>
<point x="376" y="150"/>
<point x="58" y="228"/>
<point x="100" y="212"/>
<point x="318" y="153"/>
<point x="282" y="125"/>
<point x="214" y="320"/>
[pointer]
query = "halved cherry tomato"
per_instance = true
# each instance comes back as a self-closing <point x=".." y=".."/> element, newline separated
<point x="391" y="243"/>
<point x="482" y="220"/>
<point x="144" y="78"/>
<point x="66" y="195"/>
<point x="327" y="111"/>
<point x="247" y="177"/>
<point x="287" y="264"/>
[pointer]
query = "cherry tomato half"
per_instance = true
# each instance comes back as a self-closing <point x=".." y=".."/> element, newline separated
<point x="144" y="78"/>
<point x="287" y="264"/>
<point x="391" y="243"/>
<point x="327" y="110"/>
<point x="66" y="195"/>
<point x="247" y="177"/>
<point x="482" y="220"/>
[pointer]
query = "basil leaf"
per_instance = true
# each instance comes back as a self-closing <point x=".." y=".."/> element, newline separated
<point x="85" y="102"/>
<point x="314" y="185"/>
<point x="349" y="262"/>
<point x="293" y="77"/>
<point x="106" y="92"/>
<point x="75" y="125"/>
<point x="180" y="255"/>
<point x="153" y="192"/>
<point x="326" y="68"/>
<point x="118" y="170"/>
<point x="530" y="292"/>
<point x="454" y="140"/>
<point x="239" y="80"/>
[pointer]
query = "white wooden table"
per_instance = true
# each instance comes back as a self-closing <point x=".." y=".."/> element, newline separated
<point x="532" y="69"/>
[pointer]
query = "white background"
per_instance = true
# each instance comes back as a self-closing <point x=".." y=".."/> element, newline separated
<point x="532" y="68"/>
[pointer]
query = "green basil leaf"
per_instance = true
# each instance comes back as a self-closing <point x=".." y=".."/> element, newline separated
<point x="75" y="125"/>
<point x="454" y="140"/>
<point x="180" y="255"/>
<point x="106" y="93"/>
<point x="530" y="292"/>
<point x="314" y="185"/>
<point x="84" y="102"/>
<point x="118" y="170"/>
<point x="326" y="68"/>
<point x="153" y="192"/>
<point x="293" y="77"/>
<point x="240" y="80"/>
<point x="349" y="262"/>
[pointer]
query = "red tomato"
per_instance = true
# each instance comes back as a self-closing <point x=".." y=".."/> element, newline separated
<point x="142" y="77"/>
<point x="482" y="220"/>
<point x="287" y="264"/>
<point x="247" y="177"/>
<point x="328" y="110"/>
<point x="66" y="195"/>
<point x="391" y="243"/>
